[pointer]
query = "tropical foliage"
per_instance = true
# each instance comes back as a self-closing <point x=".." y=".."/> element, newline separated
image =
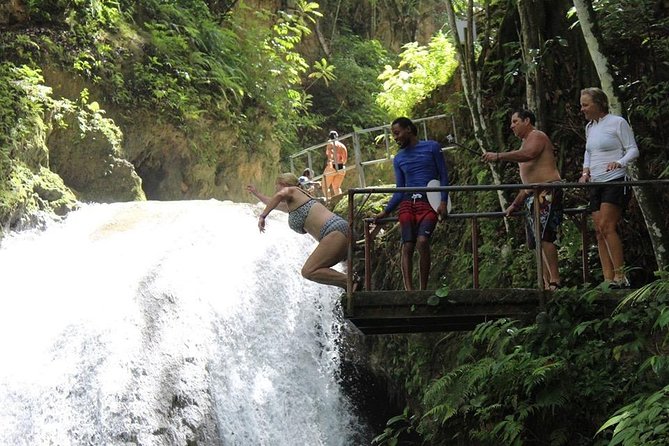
<point x="421" y="70"/>
<point x="575" y="377"/>
<point x="193" y="63"/>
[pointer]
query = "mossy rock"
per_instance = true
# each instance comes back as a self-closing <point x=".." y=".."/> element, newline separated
<point x="92" y="165"/>
<point x="27" y="194"/>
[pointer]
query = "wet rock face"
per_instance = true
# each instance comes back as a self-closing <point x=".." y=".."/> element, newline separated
<point x="91" y="166"/>
<point x="12" y="12"/>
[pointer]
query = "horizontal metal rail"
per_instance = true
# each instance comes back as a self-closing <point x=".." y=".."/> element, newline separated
<point x="474" y="216"/>
<point x="355" y="149"/>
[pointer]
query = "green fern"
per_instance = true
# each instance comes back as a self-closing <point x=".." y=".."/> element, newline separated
<point x="654" y="290"/>
<point x="644" y="421"/>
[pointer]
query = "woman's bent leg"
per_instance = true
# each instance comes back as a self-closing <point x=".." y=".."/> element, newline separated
<point x="332" y="249"/>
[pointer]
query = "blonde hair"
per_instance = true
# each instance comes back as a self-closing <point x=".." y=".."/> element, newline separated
<point x="288" y="179"/>
<point x="598" y="97"/>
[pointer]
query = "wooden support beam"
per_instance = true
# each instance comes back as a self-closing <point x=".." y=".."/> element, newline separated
<point x="385" y="312"/>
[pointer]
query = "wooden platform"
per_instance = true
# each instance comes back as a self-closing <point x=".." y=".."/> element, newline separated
<point x="384" y="312"/>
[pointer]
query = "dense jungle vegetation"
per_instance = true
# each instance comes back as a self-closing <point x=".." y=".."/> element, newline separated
<point x="113" y="100"/>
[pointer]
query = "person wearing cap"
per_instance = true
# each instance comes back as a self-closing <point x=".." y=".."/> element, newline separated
<point x="416" y="163"/>
<point x="334" y="172"/>
<point x="307" y="182"/>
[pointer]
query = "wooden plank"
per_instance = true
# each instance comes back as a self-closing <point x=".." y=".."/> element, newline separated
<point x="465" y="297"/>
<point x="384" y="312"/>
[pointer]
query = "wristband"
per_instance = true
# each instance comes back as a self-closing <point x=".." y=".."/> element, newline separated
<point x="263" y="216"/>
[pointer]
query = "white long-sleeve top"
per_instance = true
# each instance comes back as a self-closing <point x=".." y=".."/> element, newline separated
<point x="608" y="139"/>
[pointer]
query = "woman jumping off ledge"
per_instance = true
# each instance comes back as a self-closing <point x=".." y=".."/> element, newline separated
<point x="308" y="215"/>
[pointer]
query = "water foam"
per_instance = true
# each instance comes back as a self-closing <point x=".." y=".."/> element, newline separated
<point x="167" y="323"/>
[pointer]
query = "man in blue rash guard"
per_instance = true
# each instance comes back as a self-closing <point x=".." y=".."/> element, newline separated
<point x="415" y="165"/>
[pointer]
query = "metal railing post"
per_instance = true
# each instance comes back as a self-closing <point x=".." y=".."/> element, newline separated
<point x="349" y="257"/>
<point x="475" y="251"/>
<point x="537" y="238"/>
<point x="584" y="247"/>
<point x="358" y="160"/>
<point x="368" y="258"/>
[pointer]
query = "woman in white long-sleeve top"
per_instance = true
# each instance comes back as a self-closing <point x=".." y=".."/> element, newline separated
<point x="609" y="148"/>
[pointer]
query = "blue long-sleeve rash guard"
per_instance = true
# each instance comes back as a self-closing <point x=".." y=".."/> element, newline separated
<point x="415" y="167"/>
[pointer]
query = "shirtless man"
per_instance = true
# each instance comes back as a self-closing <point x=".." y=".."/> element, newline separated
<point x="536" y="161"/>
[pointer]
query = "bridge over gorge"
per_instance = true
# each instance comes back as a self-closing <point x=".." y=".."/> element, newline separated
<point x="393" y="311"/>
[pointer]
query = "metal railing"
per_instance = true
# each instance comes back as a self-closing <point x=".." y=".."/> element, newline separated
<point x="318" y="150"/>
<point x="475" y="217"/>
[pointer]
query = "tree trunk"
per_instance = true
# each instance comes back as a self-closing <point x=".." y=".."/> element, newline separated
<point x="587" y="20"/>
<point x="531" y="14"/>
<point x="321" y="39"/>
<point x="651" y="213"/>
<point x="471" y="79"/>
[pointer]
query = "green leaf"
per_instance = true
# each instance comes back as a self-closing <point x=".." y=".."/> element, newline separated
<point x="94" y="106"/>
<point x="395" y="419"/>
<point x="613" y="420"/>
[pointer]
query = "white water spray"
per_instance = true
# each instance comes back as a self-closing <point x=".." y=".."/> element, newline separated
<point x="167" y="324"/>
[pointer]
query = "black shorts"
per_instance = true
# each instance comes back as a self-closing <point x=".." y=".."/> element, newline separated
<point x="618" y="195"/>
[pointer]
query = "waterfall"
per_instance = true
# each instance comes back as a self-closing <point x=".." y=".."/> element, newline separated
<point x="168" y="323"/>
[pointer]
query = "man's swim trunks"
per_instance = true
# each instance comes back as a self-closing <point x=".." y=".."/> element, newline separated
<point x="550" y="215"/>
<point x="417" y="218"/>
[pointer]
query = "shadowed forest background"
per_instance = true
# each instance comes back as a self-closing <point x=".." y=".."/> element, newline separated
<point x="119" y="100"/>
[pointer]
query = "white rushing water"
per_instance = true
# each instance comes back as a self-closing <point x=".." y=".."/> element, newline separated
<point x="168" y="323"/>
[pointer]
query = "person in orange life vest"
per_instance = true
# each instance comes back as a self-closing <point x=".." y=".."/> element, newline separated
<point x="334" y="172"/>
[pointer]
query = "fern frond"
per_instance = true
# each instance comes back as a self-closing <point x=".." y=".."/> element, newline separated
<point x="647" y="292"/>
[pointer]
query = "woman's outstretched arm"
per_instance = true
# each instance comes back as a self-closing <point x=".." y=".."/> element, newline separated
<point x="279" y="198"/>
<point x="265" y="198"/>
